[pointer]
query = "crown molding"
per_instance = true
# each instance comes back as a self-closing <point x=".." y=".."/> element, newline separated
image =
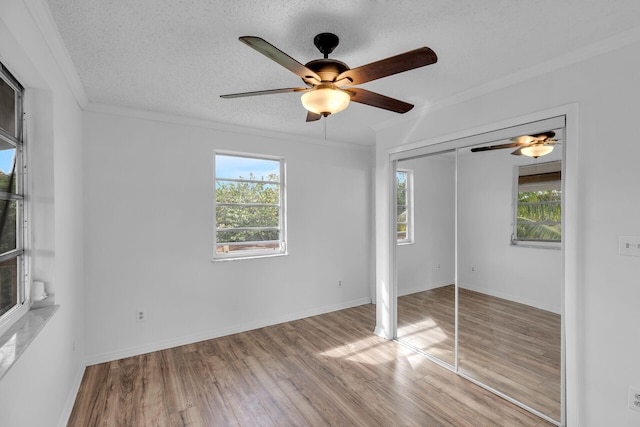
<point x="45" y="23"/>
<point x="601" y="47"/>
<point x="210" y="124"/>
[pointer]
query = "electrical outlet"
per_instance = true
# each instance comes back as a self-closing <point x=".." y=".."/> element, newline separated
<point x="339" y="283"/>
<point x="634" y="398"/>
<point x="141" y="315"/>
<point x="629" y="245"/>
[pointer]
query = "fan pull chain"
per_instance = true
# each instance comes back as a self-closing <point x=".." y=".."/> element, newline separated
<point x="324" y="125"/>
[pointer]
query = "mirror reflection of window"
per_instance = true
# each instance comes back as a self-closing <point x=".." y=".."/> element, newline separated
<point x="404" y="196"/>
<point x="538" y="204"/>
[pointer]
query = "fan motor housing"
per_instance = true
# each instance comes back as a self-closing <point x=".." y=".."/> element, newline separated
<point x="327" y="69"/>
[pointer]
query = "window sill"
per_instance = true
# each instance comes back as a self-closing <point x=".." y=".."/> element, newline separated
<point x="240" y="258"/>
<point x="18" y="337"/>
<point x="537" y="245"/>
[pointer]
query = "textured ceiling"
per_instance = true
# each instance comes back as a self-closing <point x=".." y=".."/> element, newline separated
<point x="178" y="56"/>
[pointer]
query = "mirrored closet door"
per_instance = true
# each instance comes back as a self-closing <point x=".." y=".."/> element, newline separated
<point x="425" y="254"/>
<point x="485" y="226"/>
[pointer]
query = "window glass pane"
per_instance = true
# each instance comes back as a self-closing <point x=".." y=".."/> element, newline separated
<point x="402" y="188"/>
<point x="543" y="232"/>
<point x="402" y="198"/>
<point x="247" y="216"/>
<point x="538" y="210"/>
<point x="8" y="285"/>
<point x="7" y="165"/>
<point x="224" y="236"/>
<point x="7" y="108"/>
<point x="539" y="215"/>
<point x="544" y="196"/>
<point x="402" y="179"/>
<point x="247" y="192"/>
<point x="402" y="214"/>
<point x="402" y="235"/>
<point x="247" y="168"/>
<point x="8" y="227"/>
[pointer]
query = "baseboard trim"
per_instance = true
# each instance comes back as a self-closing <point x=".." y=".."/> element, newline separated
<point x="71" y="398"/>
<point x="217" y="333"/>
<point x="381" y="333"/>
<point x="425" y="287"/>
<point x="507" y="296"/>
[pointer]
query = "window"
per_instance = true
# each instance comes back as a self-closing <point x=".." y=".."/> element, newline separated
<point x="404" y="206"/>
<point x="12" y="289"/>
<point x="249" y="206"/>
<point x="539" y="204"/>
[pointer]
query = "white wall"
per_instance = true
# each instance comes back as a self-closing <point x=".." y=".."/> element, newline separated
<point x="487" y="262"/>
<point x="428" y="263"/>
<point x="602" y="351"/>
<point x="149" y="225"/>
<point x="39" y="389"/>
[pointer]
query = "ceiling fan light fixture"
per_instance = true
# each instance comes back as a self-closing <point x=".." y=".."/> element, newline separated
<point x="536" y="150"/>
<point x="325" y="100"/>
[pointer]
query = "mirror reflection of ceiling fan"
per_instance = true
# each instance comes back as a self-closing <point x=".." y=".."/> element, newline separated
<point x="328" y="81"/>
<point x="528" y="145"/>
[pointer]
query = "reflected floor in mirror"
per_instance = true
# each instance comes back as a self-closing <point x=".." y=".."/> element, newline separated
<point x="426" y="321"/>
<point x="511" y="347"/>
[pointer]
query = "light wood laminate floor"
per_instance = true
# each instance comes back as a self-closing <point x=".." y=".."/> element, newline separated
<point x="327" y="370"/>
<point x="511" y="347"/>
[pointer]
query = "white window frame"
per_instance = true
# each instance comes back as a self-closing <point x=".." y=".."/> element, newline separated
<point x="282" y="221"/>
<point x="409" y="239"/>
<point x="20" y="253"/>
<point x="548" y="167"/>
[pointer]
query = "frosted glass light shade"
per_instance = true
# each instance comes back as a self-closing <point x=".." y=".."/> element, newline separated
<point x="325" y="100"/>
<point x="536" y="150"/>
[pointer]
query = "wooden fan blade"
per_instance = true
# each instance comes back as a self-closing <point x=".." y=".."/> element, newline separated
<point x="518" y="152"/>
<point x="495" y="147"/>
<point x="373" y="99"/>
<point x="280" y="57"/>
<point x="544" y="135"/>
<point x="393" y="65"/>
<point x="312" y="117"/>
<point x="264" y="92"/>
<point x="535" y="138"/>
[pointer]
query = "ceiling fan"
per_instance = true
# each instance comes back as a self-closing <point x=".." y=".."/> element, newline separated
<point x="528" y="145"/>
<point x="328" y="81"/>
